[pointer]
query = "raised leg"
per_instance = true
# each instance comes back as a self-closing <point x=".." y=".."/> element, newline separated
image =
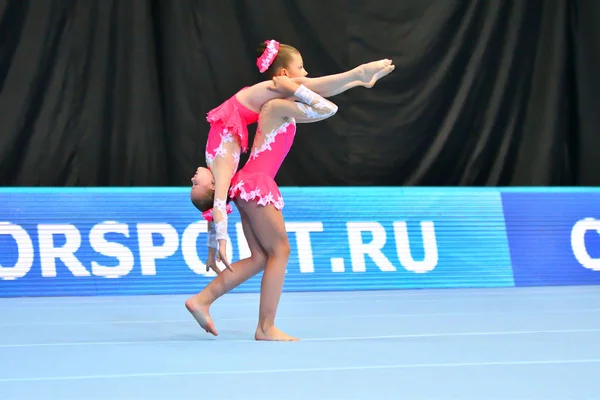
<point x="364" y="75"/>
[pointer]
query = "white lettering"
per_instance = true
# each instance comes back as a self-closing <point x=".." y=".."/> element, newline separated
<point x="149" y="253"/>
<point x="24" y="252"/>
<point x="111" y="249"/>
<point x="358" y="249"/>
<point x="66" y="254"/>
<point x="243" y="247"/>
<point x="168" y="244"/>
<point x="578" y="242"/>
<point x="189" y="243"/>
<point x="429" y="244"/>
<point x="305" y="254"/>
<point x="337" y="265"/>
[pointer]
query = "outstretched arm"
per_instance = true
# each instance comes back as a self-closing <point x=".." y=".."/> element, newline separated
<point x="364" y="75"/>
<point x="331" y="85"/>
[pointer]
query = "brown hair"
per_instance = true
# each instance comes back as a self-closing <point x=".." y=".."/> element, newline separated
<point x="283" y="59"/>
<point x="202" y="200"/>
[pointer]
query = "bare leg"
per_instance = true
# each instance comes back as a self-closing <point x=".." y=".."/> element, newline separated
<point x="363" y="75"/>
<point x="245" y="269"/>
<point x="255" y="96"/>
<point x="268" y="225"/>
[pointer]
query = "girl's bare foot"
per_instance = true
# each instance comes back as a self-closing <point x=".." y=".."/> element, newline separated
<point x="370" y="73"/>
<point x="200" y="313"/>
<point x="273" y="334"/>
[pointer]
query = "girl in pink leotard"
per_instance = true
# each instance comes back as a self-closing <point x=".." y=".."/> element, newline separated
<point x="258" y="198"/>
<point x="274" y="138"/>
<point x="228" y="135"/>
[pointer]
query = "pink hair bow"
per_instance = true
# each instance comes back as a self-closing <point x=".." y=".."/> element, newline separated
<point x="268" y="56"/>
<point x="208" y="214"/>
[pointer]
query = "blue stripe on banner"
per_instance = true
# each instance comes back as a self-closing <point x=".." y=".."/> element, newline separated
<point x="383" y="189"/>
<point x="115" y="241"/>
<point x="554" y="237"/>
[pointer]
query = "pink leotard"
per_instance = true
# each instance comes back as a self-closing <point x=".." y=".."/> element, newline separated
<point x="255" y="181"/>
<point x="228" y="122"/>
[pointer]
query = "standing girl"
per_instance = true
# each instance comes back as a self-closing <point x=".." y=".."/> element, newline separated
<point x="257" y="196"/>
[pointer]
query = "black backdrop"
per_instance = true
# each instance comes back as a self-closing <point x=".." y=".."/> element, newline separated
<point x="115" y="92"/>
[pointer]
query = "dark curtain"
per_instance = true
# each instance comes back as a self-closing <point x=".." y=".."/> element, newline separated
<point x="115" y="92"/>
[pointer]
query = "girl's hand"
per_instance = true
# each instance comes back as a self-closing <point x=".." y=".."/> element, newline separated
<point x="222" y="254"/>
<point x="211" y="263"/>
<point x="284" y="86"/>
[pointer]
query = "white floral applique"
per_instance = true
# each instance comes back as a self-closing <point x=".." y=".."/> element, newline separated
<point x="314" y="105"/>
<point x="221" y="226"/>
<point x="209" y="158"/>
<point x="269" y="139"/>
<point x="220" y="151"/>
<point x="269" y="55"/>
<point x="256" y="195"/>
<point x="226" y="136"/>
<point x="212" y="235"/>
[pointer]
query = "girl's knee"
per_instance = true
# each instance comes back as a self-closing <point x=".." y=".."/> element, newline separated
<point x="258" y="257"/>
<point x="280" y="249"/>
